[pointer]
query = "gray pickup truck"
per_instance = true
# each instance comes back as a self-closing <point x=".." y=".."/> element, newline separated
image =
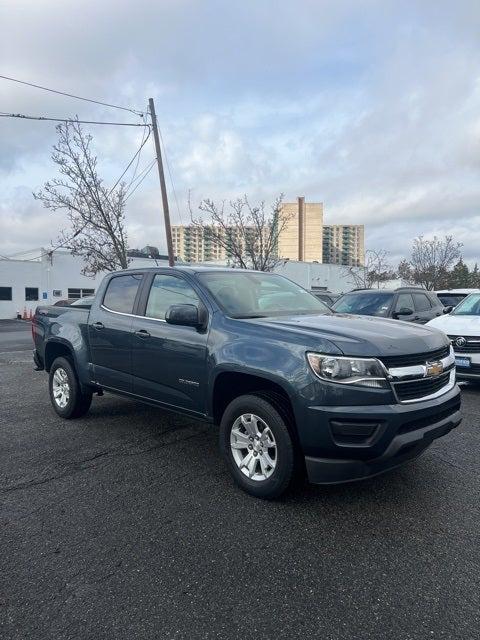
<point x="294" y="388"/>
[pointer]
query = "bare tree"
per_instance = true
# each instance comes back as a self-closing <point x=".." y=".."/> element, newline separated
<point x="96" y="214"/>
<point x="375" y="271"/>
<point x="248" y="234"/>
<point x="431" y="261"/>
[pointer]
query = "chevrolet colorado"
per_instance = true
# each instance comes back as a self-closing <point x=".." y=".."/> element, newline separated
<point x="293" y="387"/>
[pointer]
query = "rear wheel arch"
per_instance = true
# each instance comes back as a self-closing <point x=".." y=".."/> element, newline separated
<point x="55" y="349"/>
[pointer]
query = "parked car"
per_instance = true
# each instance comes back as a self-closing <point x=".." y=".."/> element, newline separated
<point x="86" y="300"/>
<point x="292" y="386"/>
<point x="63" y="303"/>
<point x="451" y="297"/>
<point x="327" y="297"/>
<point x="405" y="303"/>
<point x="462" y="326"/>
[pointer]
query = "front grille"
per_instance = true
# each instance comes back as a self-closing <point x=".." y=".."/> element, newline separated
<point x="416" y="389"/>
<point x="416" y="358"/>
<point x="421" y="423"/>
<point x="472" y="346"/>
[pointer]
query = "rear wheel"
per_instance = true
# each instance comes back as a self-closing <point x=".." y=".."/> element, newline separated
<point x="66" y="395"/>
<point x="257" y="446"/>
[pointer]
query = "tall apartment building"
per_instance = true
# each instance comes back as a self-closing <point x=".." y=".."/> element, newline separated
<point x="192" y="244"/>
<point x="305" y="237"/>
<point x="344" y="244"/>
<point x="301" y="237"/>
<point x="196" y="244"/>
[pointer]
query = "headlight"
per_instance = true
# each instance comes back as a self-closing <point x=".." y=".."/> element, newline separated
<point x="367" y="372"/>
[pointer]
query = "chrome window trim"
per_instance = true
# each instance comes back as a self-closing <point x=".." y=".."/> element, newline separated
<point x="130" y="315"/>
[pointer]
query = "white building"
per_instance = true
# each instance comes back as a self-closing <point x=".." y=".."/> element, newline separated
<point x="40" y="277"/>
<point x="43" y="277"/>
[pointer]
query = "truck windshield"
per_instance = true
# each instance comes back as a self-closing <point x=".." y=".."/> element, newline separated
<point x="470" y="306"/>
<point x="368" y="303"/>
<point x="244" y="294"/>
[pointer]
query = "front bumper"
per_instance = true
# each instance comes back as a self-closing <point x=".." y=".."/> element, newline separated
<point x="402" y="434"/>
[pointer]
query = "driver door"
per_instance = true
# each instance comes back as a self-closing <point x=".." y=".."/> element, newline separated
<point x="169" y="361"/>
<point x="405" y="301"/>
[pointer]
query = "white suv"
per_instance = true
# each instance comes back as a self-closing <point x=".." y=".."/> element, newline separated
<point x="462" y="326"/>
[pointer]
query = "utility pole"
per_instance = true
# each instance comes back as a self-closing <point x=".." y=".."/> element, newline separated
<point x="161" y="175"/>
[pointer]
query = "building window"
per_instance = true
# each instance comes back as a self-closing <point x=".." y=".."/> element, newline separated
<point x="5" y="293"/>
<point x="75" y="294"/>
<point x="31" y="294"/>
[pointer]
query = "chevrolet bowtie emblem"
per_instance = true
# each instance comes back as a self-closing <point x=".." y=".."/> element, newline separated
<point x="434" y="368"/>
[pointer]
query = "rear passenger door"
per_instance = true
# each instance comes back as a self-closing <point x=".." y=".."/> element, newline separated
<point x="169" y="361"/>
<point x="110" y="332"/>
<point x="423" y="308"/>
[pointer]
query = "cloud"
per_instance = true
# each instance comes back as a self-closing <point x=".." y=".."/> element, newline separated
<point x="369" y="107"/>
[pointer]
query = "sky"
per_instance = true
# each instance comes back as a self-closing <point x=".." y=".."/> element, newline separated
<point x="371" y="107"/>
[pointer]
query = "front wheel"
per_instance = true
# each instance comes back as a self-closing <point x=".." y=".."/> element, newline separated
<point x="66" y="394"/>
<point x="257" y="446"/>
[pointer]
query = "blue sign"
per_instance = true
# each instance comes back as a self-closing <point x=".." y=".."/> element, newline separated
<point x="44" y="295"/>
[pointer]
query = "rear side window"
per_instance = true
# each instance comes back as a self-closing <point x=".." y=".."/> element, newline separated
<point x="121" y="292"/>
<point x="167" y="290"/>
<point x="422" y="302"/>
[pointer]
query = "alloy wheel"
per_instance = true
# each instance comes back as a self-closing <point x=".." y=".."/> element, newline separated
<point x="61" y="388"/>
<point x="253" y="447"/>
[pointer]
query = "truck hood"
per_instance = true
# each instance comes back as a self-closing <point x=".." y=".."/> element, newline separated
<point x="457" y="325"/>
<point x="362" y="335"/>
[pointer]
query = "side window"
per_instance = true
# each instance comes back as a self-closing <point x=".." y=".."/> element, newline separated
<point x="404" y="301"/>
<point x="422" y="303"/>
<point x="167" y="290"/>
<point x="121" y="292"/>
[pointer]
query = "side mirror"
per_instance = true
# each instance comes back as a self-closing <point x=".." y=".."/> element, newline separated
<point x="403" y="311"/>
<point x="448" y="309"/>
<point x="186" y="315"/>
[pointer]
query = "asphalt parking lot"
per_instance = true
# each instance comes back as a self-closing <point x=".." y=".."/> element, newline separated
<point x="125" y="524"/>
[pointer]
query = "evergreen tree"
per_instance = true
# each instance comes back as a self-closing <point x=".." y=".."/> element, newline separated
<point x="459" y="277"/>
<point x="475" y="277"/>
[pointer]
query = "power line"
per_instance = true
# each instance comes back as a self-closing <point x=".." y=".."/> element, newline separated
<point x="134" y="174"/>
<point x="148" y="169"/>
<point x="137" y="154"/>
<point x="24" y="117"/>
<point x="50" y="251"/>
<point x="145" y="168"/>
<point x="71" y="95"/>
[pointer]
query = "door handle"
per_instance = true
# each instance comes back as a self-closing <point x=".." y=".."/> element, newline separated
<point x="142" y="333"/>
<point x="98" y="325"/>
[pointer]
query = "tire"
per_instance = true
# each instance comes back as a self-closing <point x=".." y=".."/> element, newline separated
<point x="249" y="425"/>
<point x="66" y="395"/>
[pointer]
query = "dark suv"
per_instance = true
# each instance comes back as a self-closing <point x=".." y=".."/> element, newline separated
<point x="406" y="303"/>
